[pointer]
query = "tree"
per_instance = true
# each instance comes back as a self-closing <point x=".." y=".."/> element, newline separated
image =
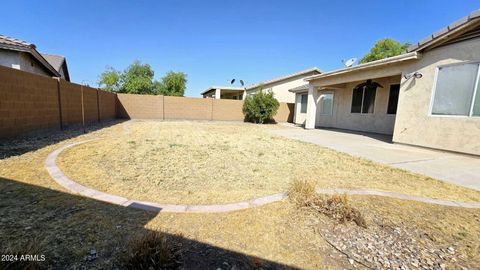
<point x="138" y="79"/>
<point x="260" y="107"/>
<point x="172" y="84"/>
<point x="384" y="48"/>
<point x="110" y="80"/>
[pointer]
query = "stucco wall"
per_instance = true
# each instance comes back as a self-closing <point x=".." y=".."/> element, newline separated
<point x="280" y="89"/>
<point x="414" y="125"/>
<point x="24" y="60"/>
<point x="378" y="121"/>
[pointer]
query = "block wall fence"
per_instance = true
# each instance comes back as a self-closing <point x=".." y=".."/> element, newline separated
<point x="30" y="102"/>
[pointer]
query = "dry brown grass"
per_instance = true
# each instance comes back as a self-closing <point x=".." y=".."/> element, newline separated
<point x="153" y="250"/>
<point x="336" y="207"/>
<point x="71" y="226"/>
<point x="201" y="163"/>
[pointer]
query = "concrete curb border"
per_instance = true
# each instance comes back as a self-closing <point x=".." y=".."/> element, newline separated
<point x="74" y="187"/>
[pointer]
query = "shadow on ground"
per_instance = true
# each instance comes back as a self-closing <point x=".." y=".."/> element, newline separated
<point x="67" y="227"/>
<point x="38" y="139"/>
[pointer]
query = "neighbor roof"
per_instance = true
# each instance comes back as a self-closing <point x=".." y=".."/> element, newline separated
<point x="211" y="88"/>
<point x="253" y="86"/>
<point x="57" y="61"/>
<point x="9" y="43"/>
<point x="286" y="77"/>
<point x="446" y="32"/>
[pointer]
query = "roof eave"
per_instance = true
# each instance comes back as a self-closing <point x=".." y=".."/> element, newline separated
<point x="386" y="61"/>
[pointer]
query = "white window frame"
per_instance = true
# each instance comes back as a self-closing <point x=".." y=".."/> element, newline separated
<point x="475" y="90"/>
<point x="333" y="98"/>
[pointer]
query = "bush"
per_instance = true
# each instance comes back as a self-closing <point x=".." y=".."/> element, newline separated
<point x="260" y="107"/>
<point x="336" y="207"/>
<point x="153" y="250"/>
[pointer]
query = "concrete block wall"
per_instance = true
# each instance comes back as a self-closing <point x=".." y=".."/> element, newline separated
<point x="31" y="102"/>
<point x="27" y="102"/>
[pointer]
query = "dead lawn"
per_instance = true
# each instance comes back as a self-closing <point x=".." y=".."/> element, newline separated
<point x="276" y="235"/>
<point x="201" y="163"/>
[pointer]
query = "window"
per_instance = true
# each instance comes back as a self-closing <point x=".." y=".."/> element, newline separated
<point x="326" y="104"/>
<point x="393" y="99"/>
<point x="456" y="90"/>
<point x="303" y="103"/>
<point x="363" y="99"/>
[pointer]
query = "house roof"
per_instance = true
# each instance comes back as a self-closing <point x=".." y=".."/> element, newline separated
<point x="374" y="64"/>
<point x="9" y="43"/>
<point x="57" y="61"/>
<point x="279" y="79"/>
<point x="446" y="32"/>
<point x="300" y="88"/>
<point x="414" y="52"/>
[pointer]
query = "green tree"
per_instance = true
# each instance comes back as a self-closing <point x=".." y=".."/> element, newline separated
<point x="110" y="80"/>
<point x="260" y="107"/>
<point x="138" y="79"/>
<point x="384" y="48"/>
<point x="172" y="84"/>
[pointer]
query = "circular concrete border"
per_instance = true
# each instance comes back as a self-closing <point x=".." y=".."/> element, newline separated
<point x="74" y="187"/>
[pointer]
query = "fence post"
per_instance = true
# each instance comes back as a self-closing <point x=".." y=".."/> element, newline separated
<point x="59" y="102"/>
<point x="98" y="106"/>
<point x="83" y="110"/>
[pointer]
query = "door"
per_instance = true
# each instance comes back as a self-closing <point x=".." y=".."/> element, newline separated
<point x="324" y="117"/>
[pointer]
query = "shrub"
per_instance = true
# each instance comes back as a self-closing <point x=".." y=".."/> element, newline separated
<point x="153" y="250"/>
<point x="336" y="207"/>
<point x="260" y="107"/>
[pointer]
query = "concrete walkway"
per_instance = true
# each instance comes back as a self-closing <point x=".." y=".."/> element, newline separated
<point x="454" y="168"/>
<point x="74" y="187"/>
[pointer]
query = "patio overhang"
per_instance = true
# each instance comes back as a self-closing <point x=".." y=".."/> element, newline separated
<point x="388" y="67"/>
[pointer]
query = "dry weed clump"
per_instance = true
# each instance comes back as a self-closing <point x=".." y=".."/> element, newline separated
<point x="336" y="207"/>
<point x="153" y="250"/>
<point x="27" y="256"/>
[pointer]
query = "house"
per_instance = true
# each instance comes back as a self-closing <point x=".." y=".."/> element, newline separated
<point x="428" y="96"/>
<point x="279" y="86"/>
<point x="24" y="56"/>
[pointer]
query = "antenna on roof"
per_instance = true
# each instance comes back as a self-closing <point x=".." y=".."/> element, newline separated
<point x="349" y="62"/>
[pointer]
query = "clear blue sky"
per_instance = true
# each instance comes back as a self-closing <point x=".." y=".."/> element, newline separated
<point x="214" y="41"/>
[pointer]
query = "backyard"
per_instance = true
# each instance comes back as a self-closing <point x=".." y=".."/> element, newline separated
<point x="195" y="162"/>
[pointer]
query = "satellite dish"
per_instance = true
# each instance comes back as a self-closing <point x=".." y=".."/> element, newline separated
<point x="242" y="83"/>
<point x="232" y="81"/>
<point x="349" y="62"/>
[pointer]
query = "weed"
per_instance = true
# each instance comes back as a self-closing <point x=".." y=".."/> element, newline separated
<point x="336" y="207"/>
<point x="153" y="250"/>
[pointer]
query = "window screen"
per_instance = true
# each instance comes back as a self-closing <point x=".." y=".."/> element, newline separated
<point x="357" y="98"/>
<point x="303" y="105"/>
<point x="369" y="99"/>
<point x="326" y="104"/>
<point x="393" y="99"/>
<point x="454" y="90"/>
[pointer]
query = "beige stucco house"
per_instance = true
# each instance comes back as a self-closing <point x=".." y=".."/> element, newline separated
<point x="428" y="96"/>
<point x="279" y="86"/>
<point x="18" y="54"/>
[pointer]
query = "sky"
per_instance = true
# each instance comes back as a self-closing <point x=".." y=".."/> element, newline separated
<point x="216" y="41"/>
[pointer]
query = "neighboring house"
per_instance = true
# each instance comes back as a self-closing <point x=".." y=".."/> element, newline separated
<point x="429" y="96"/>
<point x="22" y="55"/>
<point x="278" y="86"/>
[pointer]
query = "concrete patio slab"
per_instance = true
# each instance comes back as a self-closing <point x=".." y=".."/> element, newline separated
<point x="446" y="166"/>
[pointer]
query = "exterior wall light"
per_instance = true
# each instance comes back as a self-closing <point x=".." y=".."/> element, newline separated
<point x="416" y="74"/>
